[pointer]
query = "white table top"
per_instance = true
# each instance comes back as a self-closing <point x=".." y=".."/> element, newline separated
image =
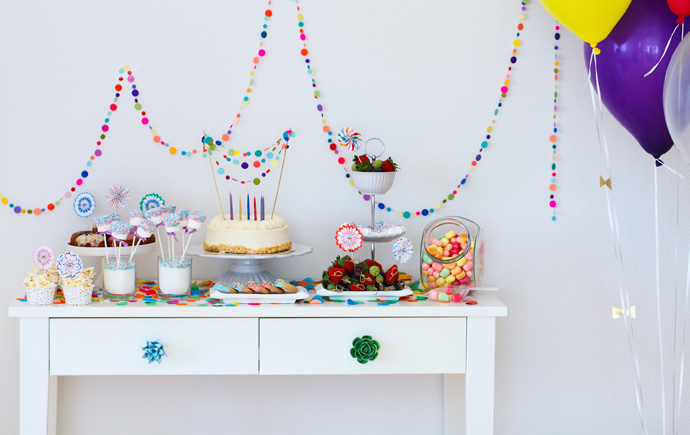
<point x="488" y="305"/>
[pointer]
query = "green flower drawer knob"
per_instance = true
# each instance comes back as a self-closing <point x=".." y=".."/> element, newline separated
<point x="365" y="349"/>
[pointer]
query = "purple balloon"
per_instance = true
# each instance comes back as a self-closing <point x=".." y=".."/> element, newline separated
<point x="632" y="48"/>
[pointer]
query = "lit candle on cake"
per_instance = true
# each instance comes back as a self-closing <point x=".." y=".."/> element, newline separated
<point x="231" y="217"/>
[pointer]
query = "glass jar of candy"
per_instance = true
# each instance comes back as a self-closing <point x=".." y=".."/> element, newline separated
<point x="452" y="255"/>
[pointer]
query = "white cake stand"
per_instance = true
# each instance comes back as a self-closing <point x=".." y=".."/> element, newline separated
<point x="248" y="267"/>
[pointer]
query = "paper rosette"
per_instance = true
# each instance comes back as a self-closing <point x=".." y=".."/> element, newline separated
<point x="151" y="200"/>
<point x="84" y="204"/>
<point x="403" y="250"/>
<point x="117" y="196"/>
<point x="349" y="238"/>
<point x="43" y="257"/>
<point x="69" y="264"/>
<point x="348" y="137"/>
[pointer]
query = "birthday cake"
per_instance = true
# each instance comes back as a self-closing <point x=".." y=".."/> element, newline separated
<point x="247" y="236"/>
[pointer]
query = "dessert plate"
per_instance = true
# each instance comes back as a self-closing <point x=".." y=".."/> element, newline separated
<point x="296" y="250"/>
<point x="88" y="251"/>
<point x="390" y="295"/>
<point x="260" y="298"/>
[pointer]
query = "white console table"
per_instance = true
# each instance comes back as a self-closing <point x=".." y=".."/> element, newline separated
<point x="106" y="339"/>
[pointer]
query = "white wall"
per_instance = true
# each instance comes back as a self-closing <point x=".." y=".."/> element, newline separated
<point x="425" y="77"/>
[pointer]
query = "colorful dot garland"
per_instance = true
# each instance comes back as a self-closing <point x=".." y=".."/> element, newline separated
<point x="230" y="157"/>
<point x="484" y="144"/>
<point x="127" y="78"/>
<point x="552" y="137"/>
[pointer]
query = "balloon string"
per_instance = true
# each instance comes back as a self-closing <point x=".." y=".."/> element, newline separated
<point x="682" y="353"/>
<point x="661" y="164"/>
<point x="658" y="301"/>
<point x="665" y="49"/>
<point x="675" y="311"/>
<point x="615" y="233"/>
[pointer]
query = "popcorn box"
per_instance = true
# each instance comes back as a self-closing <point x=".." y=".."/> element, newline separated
<point x="77" y="295"/>
<point x="40" y="295"/>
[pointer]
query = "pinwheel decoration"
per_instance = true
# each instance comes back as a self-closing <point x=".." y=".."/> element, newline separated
<point x="151" y="200"/>
<point x="402" y="250"/>
<point x="69" y="264"/>
<point x="117" y="196"/>
<point x="84" y="204"/>
<point x="349" y="238"/>
<point x="43" y="257"/>
<point x="348" y="137"/>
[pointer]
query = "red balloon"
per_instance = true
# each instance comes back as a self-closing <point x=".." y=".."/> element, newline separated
<point x="680" y="8"/>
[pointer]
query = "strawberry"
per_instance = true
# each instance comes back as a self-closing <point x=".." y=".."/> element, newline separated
<point x="348" y="265"/>
<point x="368" y="279"/>
<point x="387" y="167"/>
<point x="335" y="274"/>
<point x="373" y="263"/>
<point x="392" y="274"/>
<point x="357" y="287"/>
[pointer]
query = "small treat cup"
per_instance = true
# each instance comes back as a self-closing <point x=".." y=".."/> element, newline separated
<point x="40" y="295"/>
<point x="174" y="277"/>
<point x="119" y="279"/>
<point x="77" y="295"/>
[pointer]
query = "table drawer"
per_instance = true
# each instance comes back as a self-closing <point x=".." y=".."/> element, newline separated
<point x="322" y="346"/>
<point x="114" y="346"/>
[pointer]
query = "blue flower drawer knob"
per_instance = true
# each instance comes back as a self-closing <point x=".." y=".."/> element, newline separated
<point x="153" y="351"/>
<point x="365" y="349"/>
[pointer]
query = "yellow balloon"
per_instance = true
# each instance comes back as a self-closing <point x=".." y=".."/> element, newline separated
<point x="590" y="20"/>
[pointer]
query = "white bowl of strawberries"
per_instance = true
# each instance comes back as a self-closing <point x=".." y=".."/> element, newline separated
<point x="373" y="176"/>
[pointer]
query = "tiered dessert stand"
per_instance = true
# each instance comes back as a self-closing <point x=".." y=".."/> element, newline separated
<point x="372" y="184"/>
<point x="248" y="267"/>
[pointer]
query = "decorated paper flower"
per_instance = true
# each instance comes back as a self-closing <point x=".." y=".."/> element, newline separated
<point x="117" y="196"/>
<point x="402" y="250"/>
<point x="43" y="257"/>
<point x="151" y="200"/>
<point x="69" y="264"/>
<point x="153" y="351"/>
<point x="84" y="204"/>
<point x="365" y="349"/>
<point x="348" y="137"/>
<point x="348" y="238"/>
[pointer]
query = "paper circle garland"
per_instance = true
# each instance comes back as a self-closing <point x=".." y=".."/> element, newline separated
<point x="43" y="257"/>
<point x="349" y="238"/>
<point x="84" y="204"/>
<point x="151" y="200"/>
<point x="403" y="250"/>
<point x="69" y="264"/>
<point x="117" y="196"/>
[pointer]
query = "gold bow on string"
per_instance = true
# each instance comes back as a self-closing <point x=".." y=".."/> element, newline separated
<point x="617" y="312"/>
<point x="607" y="182"/>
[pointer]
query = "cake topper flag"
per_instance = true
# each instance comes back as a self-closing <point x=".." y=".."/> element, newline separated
<point x="349" y="238"/>
<point x="84" y="206"/>
<point x="209" y="147"/>
<point x="43" y="257"/>
<point x="286" y="136"/>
